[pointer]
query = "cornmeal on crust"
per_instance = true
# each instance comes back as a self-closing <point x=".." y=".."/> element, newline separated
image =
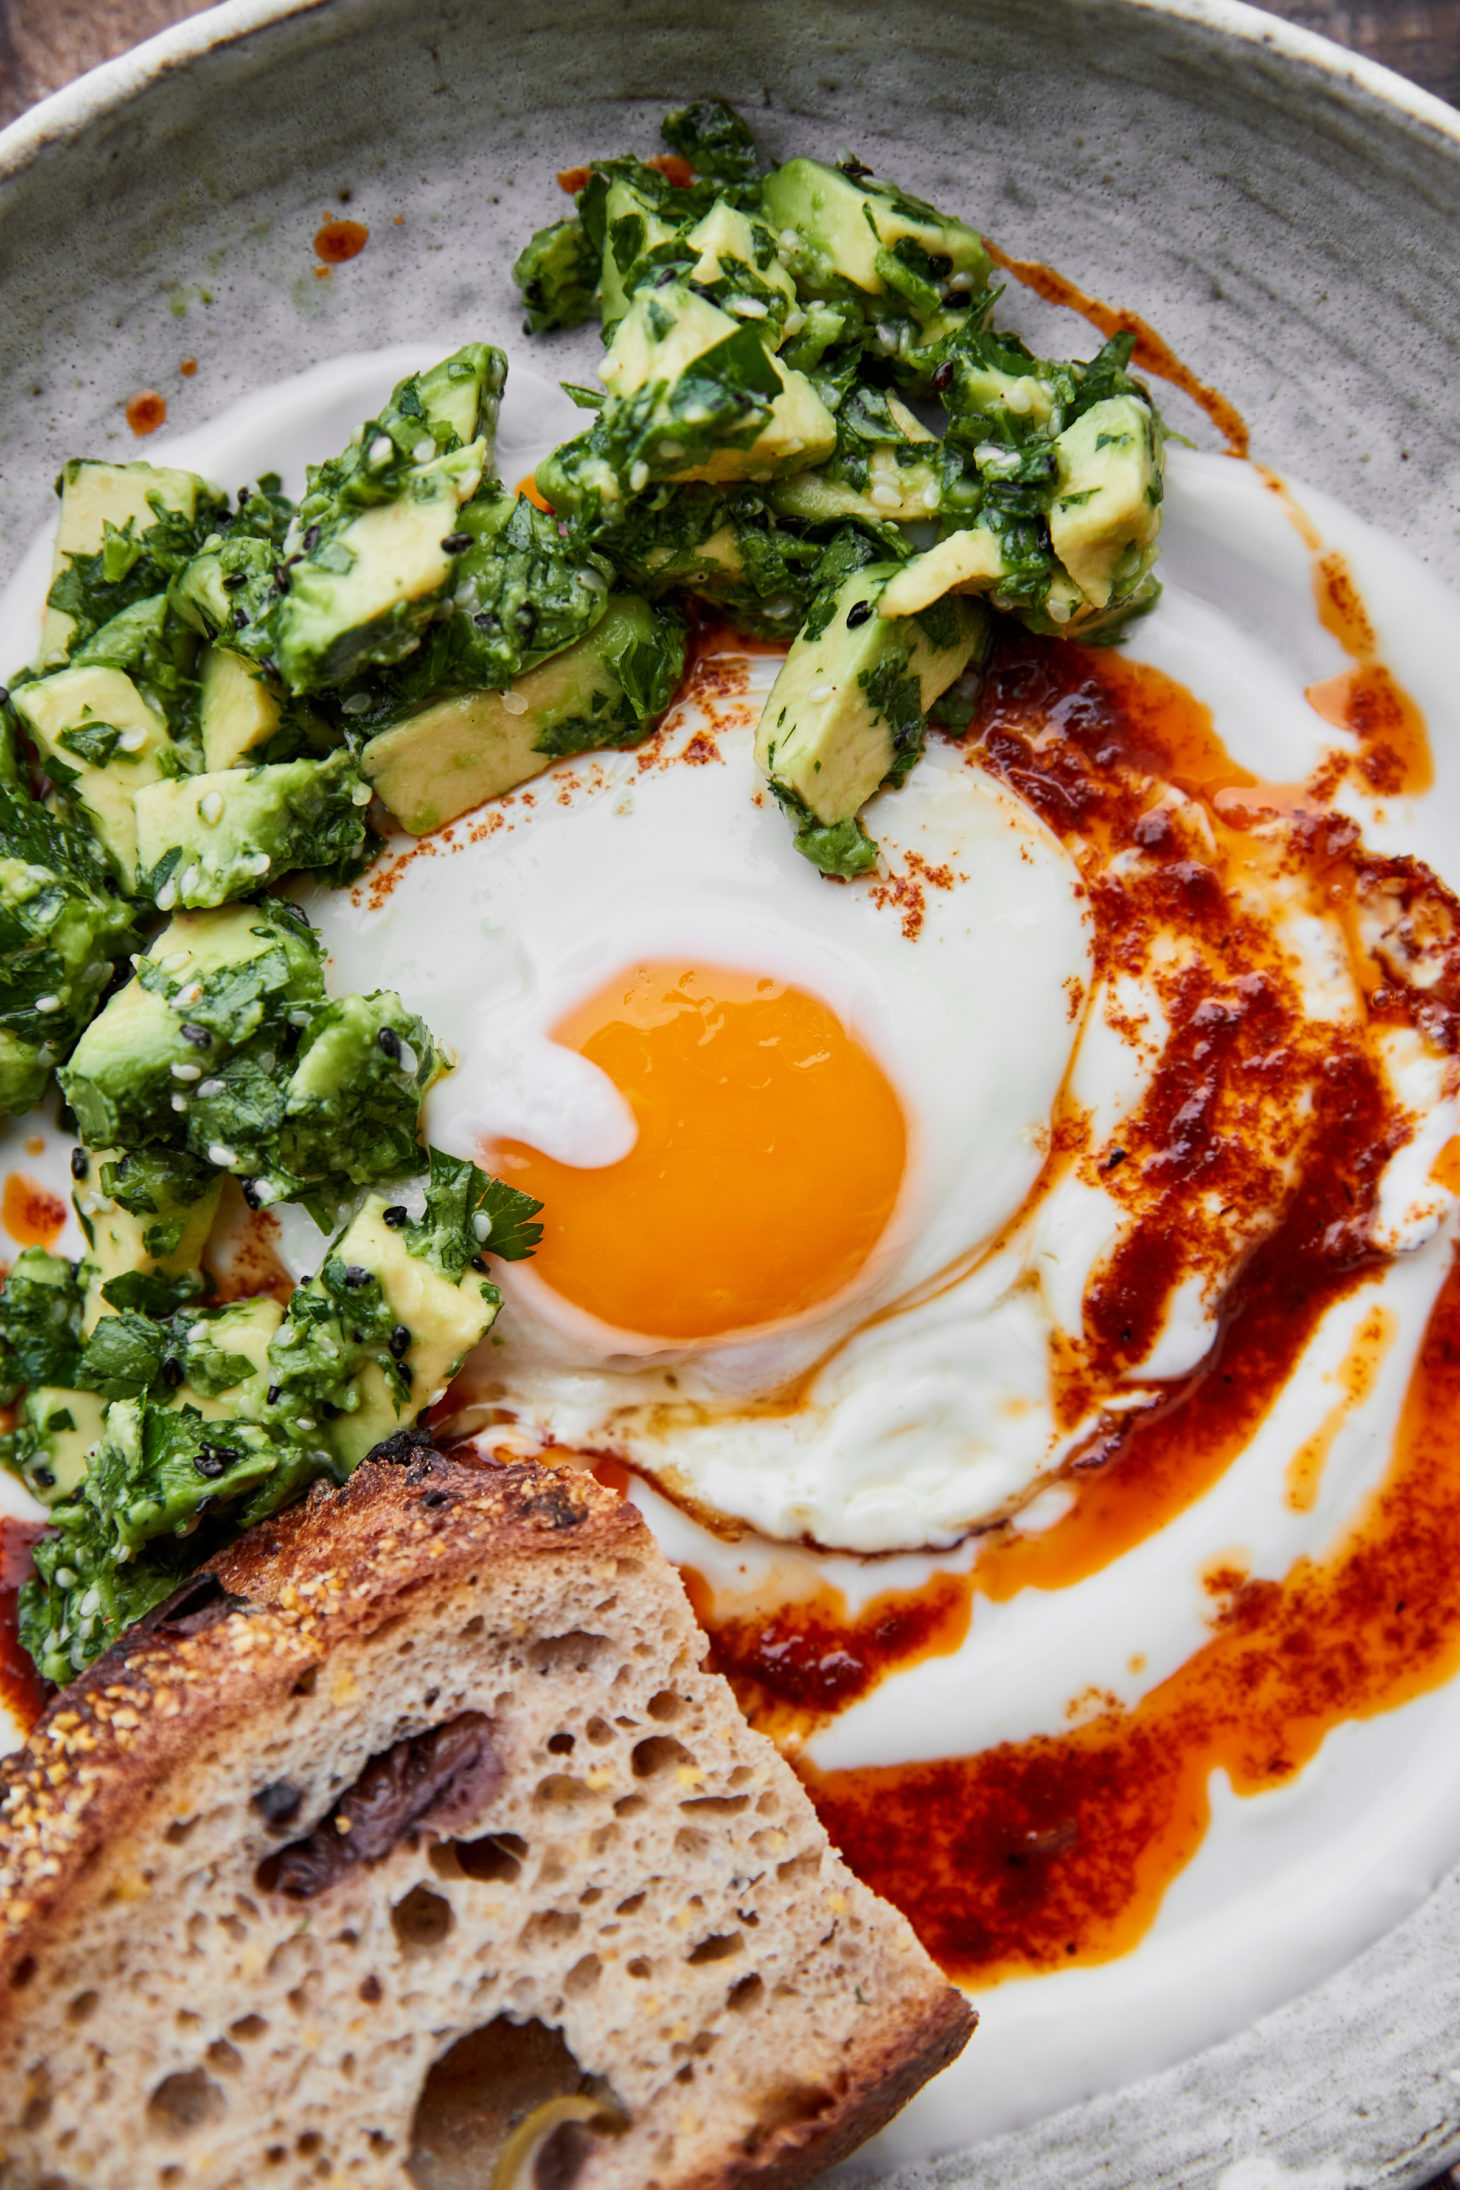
<point x="415" y="1825"/>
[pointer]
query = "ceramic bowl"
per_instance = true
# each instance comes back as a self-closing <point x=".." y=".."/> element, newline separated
<point x="1285" y="215"/>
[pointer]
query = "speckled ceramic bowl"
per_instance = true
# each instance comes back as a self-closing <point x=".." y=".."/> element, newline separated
<point x="1285" y="215"/>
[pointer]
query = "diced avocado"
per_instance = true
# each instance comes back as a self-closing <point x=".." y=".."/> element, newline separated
<point x="229" y="591"/>
<point x="56" y="1431"/>
<point x="40" y="1323"/>
<point x="847" y="711"/>
<point x="202" y="840"/>
<point x="735" y="259"/>
<point x="398" y="1328"/>
<point x="839" y="225"/>
<point x="225" y="1358"/>
<point x="352" y="1105"/>
<point x="970" y="561"/>
<point x="607" y="690"/>
<point x="364" y="591"/>
<point x="558" y="273"/>
<point x="1105" y="517"/>
<point x="118" y="501"/>
<point x="146" y="1218"/>
<point x="634" y="223"/>
<point x="459" y="398"/>
<point x="240" y="709"/>
<point x="61" y="927"/>
<point x="100" y="743"/>
<point x="887" y="467"/>
<point x="211" y="984"/>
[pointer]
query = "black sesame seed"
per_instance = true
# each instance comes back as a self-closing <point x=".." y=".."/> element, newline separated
<point x="478" y="1263"/>
<point x="281" y="577"/>
<point x="240" y="618"/>
<point x="274" y="1394"/>
<point x="211" y="1461"/>
<point x="172" y="1374"/>
<point x="456" y="542"/>
<point x="356" y="1274"/>
<point x="45" y="1478"/>
<point x="943" y="377"/>
<point x="858" y="614"/>
<point x="525" y="619"/>
<point x="330" y="1411"/>
<point x="395" y="1216"/>
<point x="251" y="1194"/>
<point x="400" y="1340"/>
<point x="407" y="1372"/>
<point x="388" y="1040"/>
<point x="198" y="1036"/>
<point x="311" y="540"/>
<point x="80" y="1163"/>
<point x="233" y="579"/>
<point x="485" y="620"/>
<point x="296" y="912"/>
<point x="854" y="169"/>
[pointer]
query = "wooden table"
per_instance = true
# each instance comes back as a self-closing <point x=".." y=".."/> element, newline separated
<point x="44" y="43"/>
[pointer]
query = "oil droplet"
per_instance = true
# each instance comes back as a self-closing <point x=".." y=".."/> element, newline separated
<point x="147" y="411"/>
<point x="188" y="367"/>
<point x="338" y="240"/>
<point x="30" y="1212"/>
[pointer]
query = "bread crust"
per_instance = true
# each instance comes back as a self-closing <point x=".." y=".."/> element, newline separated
<point x="261" y="1619"/>
<point x="337" y="1565"/>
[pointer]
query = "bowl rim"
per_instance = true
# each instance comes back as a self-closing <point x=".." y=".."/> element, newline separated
<point x="65" y="115"/>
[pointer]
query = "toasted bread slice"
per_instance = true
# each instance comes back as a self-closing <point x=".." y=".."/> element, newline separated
<point x="412" y="1845"/>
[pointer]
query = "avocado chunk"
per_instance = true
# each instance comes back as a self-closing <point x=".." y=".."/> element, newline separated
<point x="100" y="743"/>
<point x="351" y="1109"/>
<point x="1105" y="517"/>
<point x="696" y="395"/>
<point x="40" y="1323"/>
<point x="372" y="568"/>
<point x="240" y="710"/>
<point x="395" y="1308"/>
<point x="848" y="711"/>
<point x="364" y="591"/>
<point x="840" y="228"/>
<point x="146" y="1219"/>
<point x="214" y="987"/>
<point x="607" y="690"/>
<point x="61" y="929"/>
<point x="123" y="532"/>
<point x="887" y="468"/>
<point x="55" y="1431"/>
<point x="734" y="261"/>
<point x="202" y="840"/>
<point x="636" y="213"/>
<point x="557" y="271"/>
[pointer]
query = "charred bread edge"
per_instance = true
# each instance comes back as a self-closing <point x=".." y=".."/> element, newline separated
<point x="254" y="1621"/>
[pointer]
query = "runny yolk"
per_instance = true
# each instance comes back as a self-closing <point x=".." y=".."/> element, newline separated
<point x="770" y="1152"/>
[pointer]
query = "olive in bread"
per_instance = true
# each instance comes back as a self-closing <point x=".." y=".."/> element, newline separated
<point x="411" y="1844"/>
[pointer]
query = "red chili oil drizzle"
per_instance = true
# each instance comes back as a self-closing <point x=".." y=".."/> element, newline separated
<point x="336" y="241"/>
<point x="1152" y="353"/>
<point x="1042" y="1854"/>
<point x="30" y="1212"/>
<point x="22" y="1691"/>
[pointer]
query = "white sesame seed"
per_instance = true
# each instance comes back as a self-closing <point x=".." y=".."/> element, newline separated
<point x="48" y="1003"/>
<point x="515" y="702"/>
<point x="790" y="239"/>
<point x="670" y="451"/>
<point x="258" y="863"/>
<point x="223" y="1157"/>
<point x="210" y="806"/>
<point x="131" y="741"/>
<point x="179" y="1102"/>
<point x="65" y="1577"/>
<point x="187" y="1072"/>
<point x="594" y="580"/>
<point x="305" y="1422"/>
<point x="960" y="281"/>
<point x="191" y="879"/>
<point x="820" y="692"/>
<point x="885" y="495"/>
<point x="90" y="1603"/>
<point x="358" y="703"/>
<point x="408" y="1060"/>
<point x="423" y="450"/>
<point x="188" y="996"/>
<point x="167" y="895"/>
<point x="379" y="451"/>
<point x="747" y="307"/>
<point x="211" y="1087"/>
<point x="639" y="477"/>
<point x="932" y="494"/>
<point x="481" y="1224"/>
<point x="360" y="796"/>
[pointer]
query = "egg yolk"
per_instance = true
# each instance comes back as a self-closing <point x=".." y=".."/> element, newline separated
<point x="770" y="1153"/>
